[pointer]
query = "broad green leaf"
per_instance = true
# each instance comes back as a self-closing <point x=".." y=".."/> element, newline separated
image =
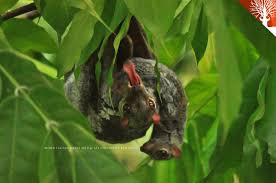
<point x="6" y="4"/>
<point x="78" y="36"/>
<point x="201" y="135"/>
<point x="253" y="30"/>
<point x="57" y="13"/>
<point x="252" y="144"/>
<point x="121" y="34"/>
<point x="187" y="20"/>
<point x="120" y="13"/>
<point x="113" y="14"/>
<point x="181" y="6"/>
<point x="22" y="132"/>
<point x="47" y="163"/>
<point x="170" y="50"/>
<point x="156" y="15"/>
<point x="85" y="163"/>
<point x="46" y="98"/>
<point x="186" y="69"/>
<point x="26" y="118"/>
<point x="1" y="88"/>
<point x="230" y="155"/>
<point x="3" y="41"/>
<point x="51" y="31"/>
<point x="183" y="20"/>
<point x="14" y="63"/>
<point x="230" y="83"/>
<point x="207" y="63"/>
<point x="25" y="35"/>
<point x="94" y="8"/>
<point x="248" y="55"/>
<point x="202" y="125"/>
<point x="200" y="92"/>
<point x="200" y="39"/>
<point x="266" y="129"/>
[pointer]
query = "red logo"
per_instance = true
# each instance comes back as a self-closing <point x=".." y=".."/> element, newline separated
<point x="264" y="11"/>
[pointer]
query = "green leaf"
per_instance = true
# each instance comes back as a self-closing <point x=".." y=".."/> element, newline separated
<point x="78" y="36"/>
<point x="156" y="15"/>
<point x="1" y="88"/>
<point x="86" y="162"/>
<point x="230" y="83"/>
<point x="57" y="13"/>
<point x="3" y="41"/>
<point x="38" y="108"/>
<point x="95" y="9"/>
<point x="6" y="4"/>
<point x="14" y="63"/>
<point x="21" y="132"/>
<point x="113" y="14"/>
<point x="231" y="154"/>
<point x="200" y="39"/>
<point x="69" y="114"/>
<point x="207" y="63"/>
<point x="25" y="35"/>
<point x="200" y="92"/>
<point x="170" y="50"/>
<point x="47" y="163"/>
<point x="248" y="55"/>
<point x="253" y="30"/>
<point x="181" y="6"/>
<point x="266" y="129"/>
<point x="252" y="144"/>
<point x="121" y="34"/>
<point x="183" y="20"/>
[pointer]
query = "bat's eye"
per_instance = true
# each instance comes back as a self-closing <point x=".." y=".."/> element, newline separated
<point x="151" y="103"/>
<point x="126" y="108"/>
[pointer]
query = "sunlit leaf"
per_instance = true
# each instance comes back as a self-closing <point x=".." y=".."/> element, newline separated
<point x="26" y="117"/>
<point x="6" y="4"/>
<point x="57" y="13"/>
<point x="200" y="39"/>
<point x="25" y="35"/>
<point x="266" y="128"/>
<point x="21" y="134"/>
<point x="77" y="38"/>
<point x="253" y="30"/>
<point x="230" y="83"/>
<point x="156" y="15"/>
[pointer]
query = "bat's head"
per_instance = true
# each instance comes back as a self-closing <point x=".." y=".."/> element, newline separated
<point x="136" y="103"/>
<point x="161" y="149"/>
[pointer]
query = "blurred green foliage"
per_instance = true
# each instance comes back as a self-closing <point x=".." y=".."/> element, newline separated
<point x="225" y="58"/>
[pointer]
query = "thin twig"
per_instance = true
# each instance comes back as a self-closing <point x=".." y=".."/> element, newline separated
<point x="18" y="11"/>
<point x="31" y="15"/>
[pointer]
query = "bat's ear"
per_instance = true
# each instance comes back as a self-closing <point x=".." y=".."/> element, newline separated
<point x="125" y="52"/>
<point x="138" y="36"/>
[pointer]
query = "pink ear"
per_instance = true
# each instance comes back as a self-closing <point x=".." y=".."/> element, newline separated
<point x="156" y="118"/>
<point x="133" y="77"/>
<point x="124" y="122"/>
<point x="176" y="152"/>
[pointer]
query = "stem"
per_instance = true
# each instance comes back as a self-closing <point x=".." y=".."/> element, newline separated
<point x="31" y="15"/>
<point x="18" y="11"/>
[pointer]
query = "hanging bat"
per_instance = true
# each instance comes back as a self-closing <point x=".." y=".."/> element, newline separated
<point x="127" y="109"/>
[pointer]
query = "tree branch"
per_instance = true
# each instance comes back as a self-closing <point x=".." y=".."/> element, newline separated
<point x="19" y="11"/>
<point x="31" y="15"/>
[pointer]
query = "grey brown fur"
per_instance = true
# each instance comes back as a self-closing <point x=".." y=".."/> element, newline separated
<point x="105" y="107"/>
